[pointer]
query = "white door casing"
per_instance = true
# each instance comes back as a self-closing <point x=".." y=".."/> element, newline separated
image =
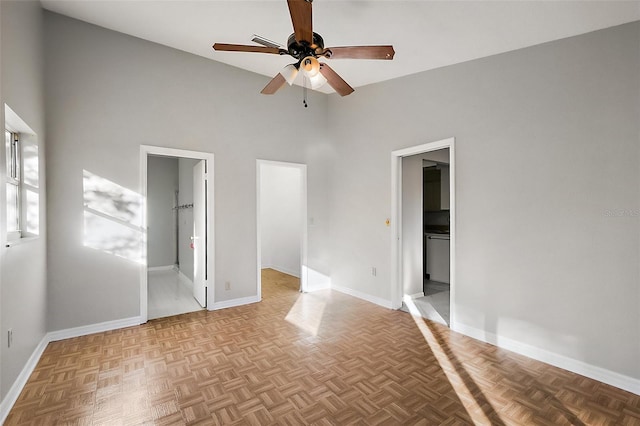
<point x="200" y="232"/>
<point x="145" y="151"/>
<point x="396" y="220"/>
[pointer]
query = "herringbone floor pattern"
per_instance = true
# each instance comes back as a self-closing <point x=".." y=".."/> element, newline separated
<point x="322" y="358"/>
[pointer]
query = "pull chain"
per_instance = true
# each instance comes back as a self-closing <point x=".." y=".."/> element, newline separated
<point x="304" y="92"/>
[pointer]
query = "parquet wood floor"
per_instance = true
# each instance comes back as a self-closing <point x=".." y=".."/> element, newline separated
<point x="321" y="358"/>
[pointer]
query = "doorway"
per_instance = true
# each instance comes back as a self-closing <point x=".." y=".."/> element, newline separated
<point x="410" y="242"/>
<point x="281" y="220"/>
<point x="177" y="193"/>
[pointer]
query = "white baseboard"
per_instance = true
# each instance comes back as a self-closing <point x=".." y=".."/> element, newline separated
<point x="415" y="296"/>
<point x="161" y="268"/>
<point x="234" y="302"/>
<point x="603" y="375"/>
<point x="284" y="270"/>
<point x="21" y="380"/>
<point x="311" y="287"/>
<point x="84" y="330"/>
<point x="355" y="293"/>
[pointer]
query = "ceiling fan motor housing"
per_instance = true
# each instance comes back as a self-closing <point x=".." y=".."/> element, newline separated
<point x="302" y="49"/>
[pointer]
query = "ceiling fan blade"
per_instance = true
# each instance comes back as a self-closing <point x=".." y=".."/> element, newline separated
<point x="359" y="52"/>
<point x="224" y="47"/>
<point x="301" y="18"/>
<point x="274" y="85"/>
<point x="335" y="81"/>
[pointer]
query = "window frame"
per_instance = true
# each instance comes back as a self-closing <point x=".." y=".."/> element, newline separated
<point x="13" y="177"/>
<point x="25" y="177"/>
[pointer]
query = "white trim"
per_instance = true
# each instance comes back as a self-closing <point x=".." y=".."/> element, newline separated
<point x="600" y="374"/>
<point x="234" y="302"/>
<point x="304" y="234"/>
<point x="317" y="287"/>
<point x="161" y="268"/>
<point x="304" y="237"/>
<point x="145" y="151"/>
<point x="414" y="296"/>
<point x="85" y="330"/>
<point x="21" y="380"/>
<point x="284" y="270"/>
<point x="364" y="296"/>
<point x="21" y="240"/>
<point x="396" y="217"/>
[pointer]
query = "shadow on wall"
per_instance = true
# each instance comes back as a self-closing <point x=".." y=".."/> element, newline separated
<point x="112" y="218"/>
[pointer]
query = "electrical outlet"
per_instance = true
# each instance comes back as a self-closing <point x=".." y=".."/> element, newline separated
<point x="9" y="337"/>
<point x="227" y="285"/>
<point x="374" y="272"/>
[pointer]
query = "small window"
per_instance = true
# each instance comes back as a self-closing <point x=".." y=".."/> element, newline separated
<point x="22" y="180"/>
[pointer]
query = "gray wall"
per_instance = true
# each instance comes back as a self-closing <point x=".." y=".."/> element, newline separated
<point x="546" y="148"/>
<point x="23" y="305"/>
<point x="185" y="216"/>
<point x="162" y="183"/>
<point x="107" y="93"/>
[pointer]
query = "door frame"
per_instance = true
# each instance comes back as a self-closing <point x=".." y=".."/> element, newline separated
<point x="145" y="151"/>
<point x="397" y="292"/>
<point x="303" y="224"/>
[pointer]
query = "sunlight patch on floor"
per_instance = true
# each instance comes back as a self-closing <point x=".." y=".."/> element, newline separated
<point x="307" y="312"/>
<point x="470" y="403"/>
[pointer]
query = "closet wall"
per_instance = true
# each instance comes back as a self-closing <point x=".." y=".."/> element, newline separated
<point x="169" y="238"/>
<point x="280" y="218"/>
<point x="162" y="184"/>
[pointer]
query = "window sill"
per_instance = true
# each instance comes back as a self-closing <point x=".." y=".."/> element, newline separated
<point x="20" y="241"/>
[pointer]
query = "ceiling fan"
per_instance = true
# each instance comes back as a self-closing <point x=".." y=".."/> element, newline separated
<point x="306" y="47"/>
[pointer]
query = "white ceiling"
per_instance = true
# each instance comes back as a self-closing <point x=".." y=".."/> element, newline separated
<point x="425" y="34"/>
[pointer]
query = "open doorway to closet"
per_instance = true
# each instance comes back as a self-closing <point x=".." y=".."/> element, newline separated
<point x="281" y="220"/>
<point x="178" y="194"/>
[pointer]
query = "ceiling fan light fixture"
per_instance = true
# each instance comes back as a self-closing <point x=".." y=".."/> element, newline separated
<point x="317" y="81"/>
<point x="290" y="72"/>
<point x="310" y="66"/>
